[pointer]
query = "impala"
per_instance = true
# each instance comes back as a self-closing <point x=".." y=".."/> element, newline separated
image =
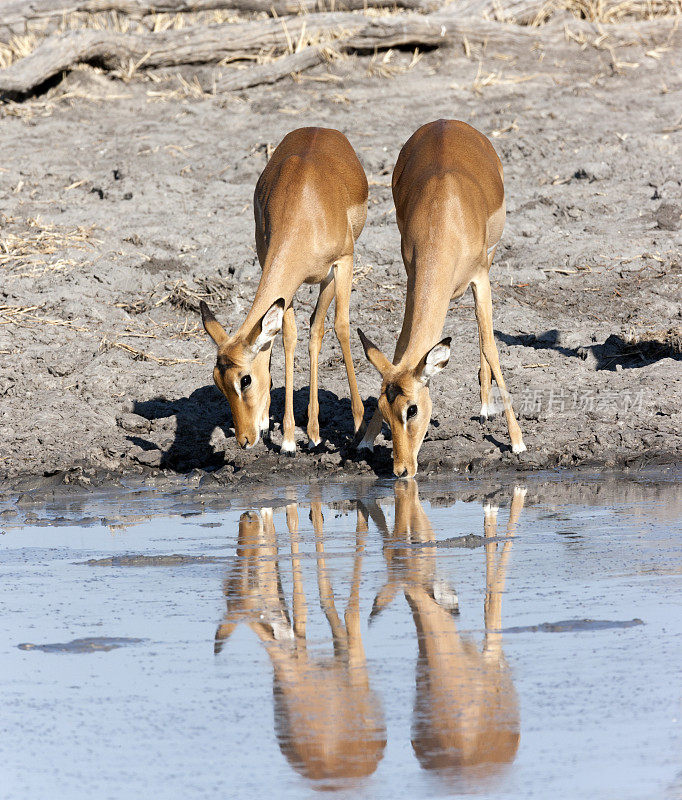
<point x="449" y="201"/>
<point x="310" y="206"/>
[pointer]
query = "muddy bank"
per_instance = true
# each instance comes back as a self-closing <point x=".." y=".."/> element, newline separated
<point x="123" y="204"/>
<point x="89" y="499"/>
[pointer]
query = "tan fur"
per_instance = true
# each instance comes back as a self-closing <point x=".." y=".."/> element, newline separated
<point x="449" y="199"/>
<point x="310" y="205"/>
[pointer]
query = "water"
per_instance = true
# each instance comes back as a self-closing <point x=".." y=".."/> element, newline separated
<point x="382" y="640"/>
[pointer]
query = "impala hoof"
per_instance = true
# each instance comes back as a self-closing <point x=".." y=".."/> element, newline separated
<point x="519" y="448"/>
<point x="288" y="448"/>
<point x="313" y="443"/>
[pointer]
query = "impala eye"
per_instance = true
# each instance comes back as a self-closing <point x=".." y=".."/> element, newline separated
<point x="411" y="412"/>
<point x="245" y="382"/>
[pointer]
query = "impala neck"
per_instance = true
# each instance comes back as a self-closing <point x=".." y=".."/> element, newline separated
<point x="429" y="287"/>
<point x="279" y="278"/>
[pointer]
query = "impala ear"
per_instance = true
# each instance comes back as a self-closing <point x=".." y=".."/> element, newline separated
<point x="268" y="327"/>
<point x="375" y="357"/>
<point x="434" y="361"/>
<point x="211" y="325"/>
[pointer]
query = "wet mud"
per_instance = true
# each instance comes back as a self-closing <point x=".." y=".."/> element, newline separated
<point x="97" y="644"/>
<point x="571" y="625"/>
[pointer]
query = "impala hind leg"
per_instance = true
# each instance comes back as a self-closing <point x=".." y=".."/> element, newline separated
<point x="484" y="318"/>
<point x="289" y="336"/>
<point x="314" y="345"/>
<point x="343" y="278"/>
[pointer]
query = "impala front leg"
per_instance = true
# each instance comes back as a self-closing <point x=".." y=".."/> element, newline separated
<point x="485" y="382"/>
<point x="343" y="278"/>
<point x="314" y="345"/>
<point x="289" y="336"/>
<point x="300" y="608"/>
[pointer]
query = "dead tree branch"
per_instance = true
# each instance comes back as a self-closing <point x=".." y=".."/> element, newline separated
<point x="17" y="16"/>
<point x="348" y="32"/>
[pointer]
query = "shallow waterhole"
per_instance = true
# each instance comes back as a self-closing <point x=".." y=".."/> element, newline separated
<point x="384" y="640"/>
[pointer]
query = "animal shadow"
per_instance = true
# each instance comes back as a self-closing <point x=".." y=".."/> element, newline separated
<point x="206" y="409"/>
<point x="614" y="351"/>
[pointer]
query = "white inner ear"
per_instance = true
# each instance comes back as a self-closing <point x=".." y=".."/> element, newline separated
<point x="436" y="360"/>
<point x="271" y="325"/>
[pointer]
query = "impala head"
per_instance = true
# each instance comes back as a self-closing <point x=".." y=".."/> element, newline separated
<point x="242" y="370"/>
<point x="404" y="400"/>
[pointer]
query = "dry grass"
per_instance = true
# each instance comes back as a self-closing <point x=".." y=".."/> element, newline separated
<point x="658" y="342"/>
<point x="144" y="355"/>
<point x="17" y="47"/>
<point x="29" y="317"/>
<point x="27" y="246"/>
<point x="381" y="66"/>
<point x="20" y="46"/>
<point x="605" y="11"/>
<point x="212" y="289"/>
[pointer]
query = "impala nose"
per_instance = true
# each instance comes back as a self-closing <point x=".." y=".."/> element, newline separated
<point x="243" y="441"/>
<point x="400" y="472"/>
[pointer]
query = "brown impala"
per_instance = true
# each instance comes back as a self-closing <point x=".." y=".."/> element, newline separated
<point x="310" y="206"/>
<point x="449" y="202"/>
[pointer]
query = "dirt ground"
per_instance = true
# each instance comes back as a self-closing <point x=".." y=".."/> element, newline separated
<point x="122" y="204"/>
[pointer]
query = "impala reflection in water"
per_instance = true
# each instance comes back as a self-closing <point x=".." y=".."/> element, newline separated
<point x="328" y="718"/>
<point x="329" y="723"/>
<point x="466" y="711"/>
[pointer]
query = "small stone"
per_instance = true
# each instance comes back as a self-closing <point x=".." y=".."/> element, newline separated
<point x="668" y="217"/>
<point x="150" y="458"/>
<point x="133" y="423"/>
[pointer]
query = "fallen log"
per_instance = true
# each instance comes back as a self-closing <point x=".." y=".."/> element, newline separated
<point x="347" y="31"/>
<point x="17" y="15"/>
<point x="201" y="44"/>
<point x="269" y="73"/>
<point x="529" y="12"/>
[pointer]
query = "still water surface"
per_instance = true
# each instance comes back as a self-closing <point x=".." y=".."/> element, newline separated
<point x="386" y="640"/>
